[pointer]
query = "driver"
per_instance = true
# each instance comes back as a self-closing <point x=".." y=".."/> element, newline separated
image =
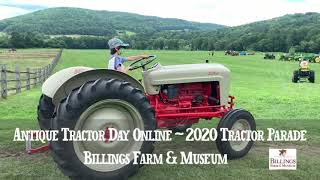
<point x="304" y="64"/>
<point x="116" y="61"/>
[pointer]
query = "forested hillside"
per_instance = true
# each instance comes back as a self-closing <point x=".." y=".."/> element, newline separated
<point x="299" y="30"/>
<point x="64" y="21"/>
<point x="92" y="29"/>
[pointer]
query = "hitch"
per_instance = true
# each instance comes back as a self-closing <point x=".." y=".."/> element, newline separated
<point x="231" y="102"/>
<point x="37" y="150"/>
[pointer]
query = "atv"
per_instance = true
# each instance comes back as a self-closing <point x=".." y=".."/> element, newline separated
<point x="304" y="73"/>
<point x="173" y="97"/>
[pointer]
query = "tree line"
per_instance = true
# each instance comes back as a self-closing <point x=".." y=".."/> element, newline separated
<point x="38" y="40"/>
<point x="275" y="40"/>
<point x="93" y="30"/>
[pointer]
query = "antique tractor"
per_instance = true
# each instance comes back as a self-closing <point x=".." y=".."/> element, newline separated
<point x="317" y="59"/>
<point x="231" y="53"/>
<point x="83" y="98"/>
<point x="269" y="56"/>
<point x="304" y="73"/>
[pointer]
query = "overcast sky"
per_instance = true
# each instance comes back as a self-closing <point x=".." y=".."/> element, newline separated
<point x="226" y="12"/>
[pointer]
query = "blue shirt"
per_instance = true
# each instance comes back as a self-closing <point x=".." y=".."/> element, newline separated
<point x="116" y="61"/>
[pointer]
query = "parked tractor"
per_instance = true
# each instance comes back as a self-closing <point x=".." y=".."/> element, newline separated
<point x="269" y="56"/>
<point x="231" y="53"/>
<point x="243" y="53"/>
<point x="290" y="57"/>
<point x="285" y="57"/>
<point x="83" y="98"/>
<point x="304" y="73"/>
<point x="251" y="53"/>
<point x="317" y="60"/>
<point x="310" y="57"/>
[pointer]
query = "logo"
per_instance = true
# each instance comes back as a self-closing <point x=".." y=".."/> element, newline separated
<point x="282" y="159"/>
<point x="213" y="73"/>
<point x="283" y="152"/>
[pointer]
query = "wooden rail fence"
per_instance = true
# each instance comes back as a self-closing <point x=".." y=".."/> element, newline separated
<point x="25" y="79"/>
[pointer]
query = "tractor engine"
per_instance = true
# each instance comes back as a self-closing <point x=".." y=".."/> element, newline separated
<point x="181" y="104"/>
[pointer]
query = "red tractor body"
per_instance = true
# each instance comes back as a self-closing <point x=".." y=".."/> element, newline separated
<point x="182" y="104"/>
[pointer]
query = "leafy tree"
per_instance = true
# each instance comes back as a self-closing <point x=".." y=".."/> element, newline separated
<point x="4" y="41"/>
<point x="292" y="50"/>
<point x="17" y="40"/>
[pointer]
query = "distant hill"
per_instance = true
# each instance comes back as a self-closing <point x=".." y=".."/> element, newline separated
<point x="65" y="21"/>
<point x="301" y="31"/>
<point x="92" y="29"/>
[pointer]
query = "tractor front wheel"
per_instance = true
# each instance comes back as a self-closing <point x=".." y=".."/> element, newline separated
<point x="295" y="77"/>
<point x="100" y="105"/>
<point x="235" y="120"/>
<point x="311" y="77"/>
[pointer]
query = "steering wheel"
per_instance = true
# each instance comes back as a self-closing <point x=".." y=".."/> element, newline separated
<point x="143" y="62"/>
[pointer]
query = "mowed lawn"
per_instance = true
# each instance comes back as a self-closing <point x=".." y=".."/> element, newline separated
<point x="263" y="87"/>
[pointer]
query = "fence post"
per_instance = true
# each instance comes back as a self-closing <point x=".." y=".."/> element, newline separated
<point x="43" y="74"/>
<point x="28" y="79"/>
<point x="47" y="71"/>
<point x="18" y="82"/>
<point x="4" y="92"/>
<point x="35" y="77"/>
<point x="51" y="68"/>
<point x="39" y="76"/>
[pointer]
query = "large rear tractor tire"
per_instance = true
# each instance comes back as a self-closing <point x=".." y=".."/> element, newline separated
<point x="45" y="112"/>
<point x="99" y="105"/>
<point x="311" y="77"/>
<point x="235" y="120"/>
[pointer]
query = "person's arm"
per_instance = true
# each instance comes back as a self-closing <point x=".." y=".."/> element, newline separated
<point x="122" y="68"/>
<point x="134" y="58"/>
<point x="119" y="66"/>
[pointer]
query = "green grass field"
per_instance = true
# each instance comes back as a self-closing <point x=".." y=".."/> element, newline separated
<point x="261" y="86"/>
<point x="24" y="58"/>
